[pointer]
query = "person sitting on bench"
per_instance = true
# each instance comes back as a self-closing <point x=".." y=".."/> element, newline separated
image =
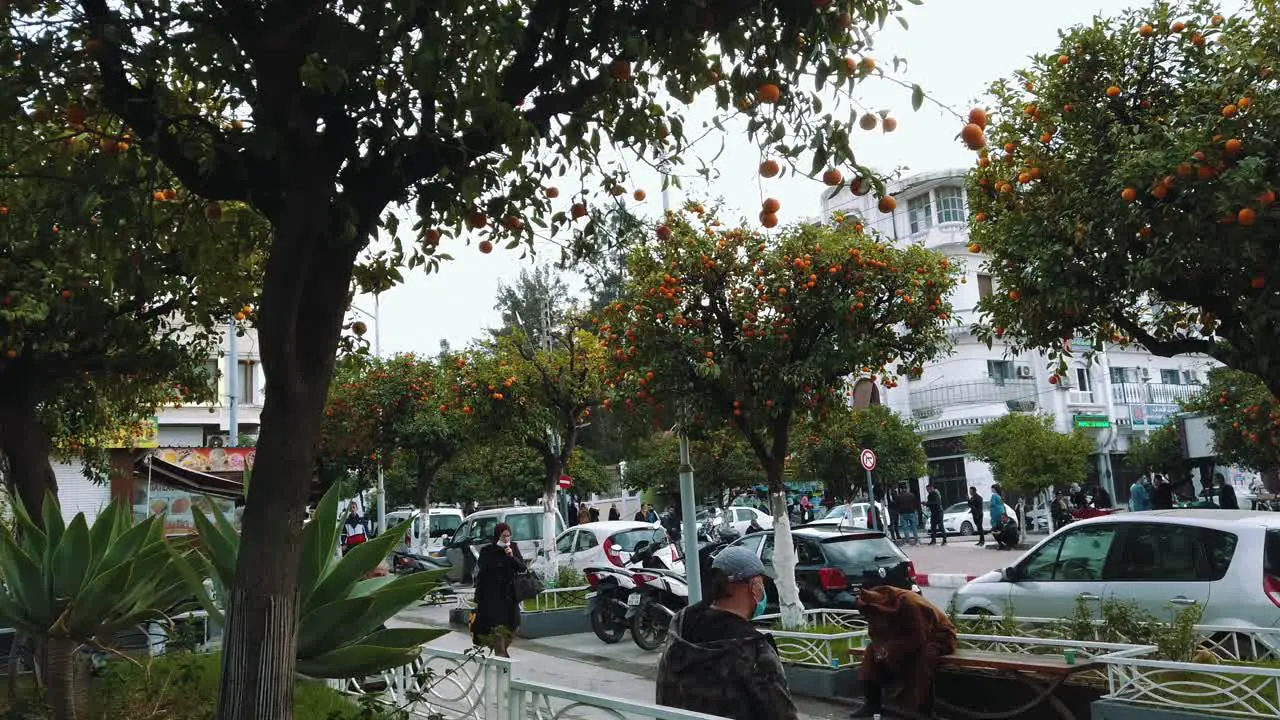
<point x="908" y="635"/>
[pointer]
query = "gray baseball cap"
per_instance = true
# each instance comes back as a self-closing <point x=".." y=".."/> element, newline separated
<point x="739" y="563"/>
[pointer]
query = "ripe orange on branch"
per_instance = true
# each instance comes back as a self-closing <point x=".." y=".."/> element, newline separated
<point x="978" y="116"/>
<point x="832" y="178"/>
<point x="973" y="136"/>
<point x="887" y="204"/>
<point x="771" y="205"/>
<point x="770" y="168"/>
<point x="769" y="93"/>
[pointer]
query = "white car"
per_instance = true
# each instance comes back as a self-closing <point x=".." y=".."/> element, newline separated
<point x="958" y="520"/>
<point x="739" y="517"/>
<point x="1225" y="561"/>
<point x="601" y="544"/>
<point x="853" y="516"/>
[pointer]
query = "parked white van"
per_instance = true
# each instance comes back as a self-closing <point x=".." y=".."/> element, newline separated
<point x="476" y="531"/>
<point x="442" y="523"/>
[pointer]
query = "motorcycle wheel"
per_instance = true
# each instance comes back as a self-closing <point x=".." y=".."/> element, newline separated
<point x="605" y="626"/>
<point x="649" y="627"/>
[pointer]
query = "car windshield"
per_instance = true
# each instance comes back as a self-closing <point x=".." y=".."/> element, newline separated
<point x="525" y="526"/>
<point x="958" y="507"/>
<point x="444" y="524"/>
<point x="837" y="512"/>
<point x="859" y="551"/>
<point x="629" y="540"/>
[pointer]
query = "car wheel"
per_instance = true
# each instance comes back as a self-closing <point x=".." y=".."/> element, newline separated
<point x="966" y="528"/>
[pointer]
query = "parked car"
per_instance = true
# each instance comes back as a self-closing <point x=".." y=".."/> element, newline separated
<point x="739" y="517"/>
<point x="1226" y="561"/>
<point x="852" y="516"/>
<point x="463" y="548"/>
<point x="832" y="564"/>
<point x="958" y="520"/>
<point x="442" y="524"/>
<point x="607" y="543"/>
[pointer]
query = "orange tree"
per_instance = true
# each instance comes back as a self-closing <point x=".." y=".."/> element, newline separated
<point x="113" y="287"/>
<point x="538" y="393"/>
<point x="829" y="444"/>
<point x="319" y="116"/>
<point x="403" y="411"/>
<point x="1125" y="191"/>
<point x="756" y="331"/>
<point x="720" y="458"/>
<point x="1245" y="418"/>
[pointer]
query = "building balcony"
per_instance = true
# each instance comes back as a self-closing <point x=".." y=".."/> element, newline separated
<point x="1019" y="395"/>
<point x="942" y="234"/>
<point x="1152" y="393"/>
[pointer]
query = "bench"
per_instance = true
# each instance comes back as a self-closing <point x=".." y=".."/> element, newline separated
<point x="1030" y="670"/>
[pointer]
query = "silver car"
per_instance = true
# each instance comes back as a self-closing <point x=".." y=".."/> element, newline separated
<point x="1226" y="561"/>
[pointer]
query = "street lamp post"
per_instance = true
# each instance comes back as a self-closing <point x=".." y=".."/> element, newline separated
<point x="377" y="352"/>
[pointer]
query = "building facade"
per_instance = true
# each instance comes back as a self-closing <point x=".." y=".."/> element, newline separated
<point x="1123" y="394"/>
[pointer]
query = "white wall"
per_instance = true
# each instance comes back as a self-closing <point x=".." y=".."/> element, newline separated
<point x="181" y="436"/>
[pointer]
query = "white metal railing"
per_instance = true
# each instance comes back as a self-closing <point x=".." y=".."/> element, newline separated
<point x="567" y="598"/>
<point x="1237" y="689"/>
<point x="991" y="390"/>
<point x="1152" y="393"/>
<point x="535" y="701"/>
<point x="936" y="425"/>
<point x="815" y="644"/>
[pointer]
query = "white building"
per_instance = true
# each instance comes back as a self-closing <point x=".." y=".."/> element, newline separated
<point x="1124" y="393"/>
<point x="188" y="426"/>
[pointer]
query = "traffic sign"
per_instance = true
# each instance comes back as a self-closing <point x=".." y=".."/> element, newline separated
<point x="868" y="460"/>
<point x="566" y="482"/>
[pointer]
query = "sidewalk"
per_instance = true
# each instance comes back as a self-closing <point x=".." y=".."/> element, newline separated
<point x="582" y="662"/>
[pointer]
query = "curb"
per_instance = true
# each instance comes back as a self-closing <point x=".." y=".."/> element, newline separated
<point x="943" y="580"/>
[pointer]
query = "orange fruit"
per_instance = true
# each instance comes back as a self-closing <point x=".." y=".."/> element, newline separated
<point x="1265" y="198"/>
<point x="771" y="206"/>
<point x="1129" y="194"/>
<point x="1024" y="178"/>
<point x="1177" y="27"/>
<point x="158" y="196"/>
<point x="486" y="247"/>
<point x="620" y="69"/>
<point x="1068" y="107"/>
<point x="1046" y="138"/>
<point x="170" y="194"/>
<point x="552" y="192"/>
<point x="768" y="219"/>
<point x="1146" y="30"/>
<point x="617" y="191"/>
<point x="1014" y="295"/>
<point x="664" y="232"/>
<point x="978" y="116"/>
<point x="1230" y="110"/>
<point x="832" y="177"/>
<point x="1113" y="91"/>
<point x="770" y="168"/>
<point x="431" y="237"/>
<point x="980" y="217"/>
<point x="1006" y="188"/>
<point x="1063" y="59"/>
<point x="984" y="162"/>
<point x="769" y="93"/>
<point x="890" y="124"/>
<point x="887" y="204"/>
<point x="76" y="114"/>
<point x="578" y="210"/>
<point x="1243" y="102"/>
<point x="1257" y="282"/>
<point x="1233" y="147"/>
<point x="1035" y="173"/>
<point x="867" y="64"/>
<point x="639" y="195"/>
<point x="1010" y="147"/>
<point x="869" y="121"/>
<point x="973" y="136"/>
<point x="975" y="248"/>
<point x="1246" y="216"/>
<point x="477" y="220"/>
<point x="512" y="222"/>
<point x="1197" y="40"/>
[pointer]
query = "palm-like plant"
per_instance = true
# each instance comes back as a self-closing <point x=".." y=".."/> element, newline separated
<point x="341" y="632"/>
<point x="72" y="585"/>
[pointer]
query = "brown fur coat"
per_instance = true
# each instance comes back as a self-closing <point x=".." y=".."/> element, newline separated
<point x="910" y="633"/>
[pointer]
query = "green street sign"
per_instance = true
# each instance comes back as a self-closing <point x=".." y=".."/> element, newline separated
<point x="1092" y="421"/>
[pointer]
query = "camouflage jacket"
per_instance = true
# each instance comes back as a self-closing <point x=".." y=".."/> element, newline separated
<point x="718" y="663"/>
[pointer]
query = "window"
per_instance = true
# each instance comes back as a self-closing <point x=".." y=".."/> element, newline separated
<point x="525" y="526"/>
<point x="463" y="533"/>
<point x="1219" y="548"/>
<point x="586" y="541"/>
<point x="1159" y="552"/>
<point x="246" y="389"/>
<point x="1000" y="370"/>
<point x="920" y="213"/>
<point x="214" y="371"/>
<point x="444" y="524"/>
<point x="1170" y="377"/>
<point x="766" y="555"/>
<point x="564" y="544"/>
<point x="631" y="540"/>
<point x="1077" y="556"/>
<point x="1083" y="381"/>
<point x="1124" y="375"/>
<point x="985" y="287"/>
<point x="863" y="554"/>
<point x="808" y="553"/>
<point x="753" y="543"/>
<point x="950" y="205"/>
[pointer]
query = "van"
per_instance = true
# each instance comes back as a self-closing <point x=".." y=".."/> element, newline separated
<point x="463" y="548"/>
<point x="442" y="524"/>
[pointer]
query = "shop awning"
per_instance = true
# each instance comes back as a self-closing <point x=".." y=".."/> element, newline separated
<point x="166" y="473"/>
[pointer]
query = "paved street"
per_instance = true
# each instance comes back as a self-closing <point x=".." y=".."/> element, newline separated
<point x="961" y="555"/>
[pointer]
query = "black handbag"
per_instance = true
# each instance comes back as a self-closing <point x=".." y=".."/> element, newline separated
<point x="528" y="586"/>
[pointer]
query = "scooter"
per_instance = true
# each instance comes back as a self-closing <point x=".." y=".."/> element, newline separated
<point x="407" y="563"/>
<point x="611" y="588"/>
<point x="660" y="594"/>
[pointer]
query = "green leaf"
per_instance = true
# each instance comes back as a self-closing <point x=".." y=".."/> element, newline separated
<point x="393" y="598"/>
<point x="24" y="579"/>
<point x="330" y="626"/>
<point x="319" y="542"/>
<point x="71" y="560"/>
<point x="356" y="661"/>
<point x="357" y="563"/>
<point x="917" y="97"/>
<point x="222" y="549"/>
<point x="404" y="637"/>
<point x="100" y="593"/>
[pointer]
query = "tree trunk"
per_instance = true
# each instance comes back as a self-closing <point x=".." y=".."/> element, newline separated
<point x="553" y="466"/>
<point x="68" y="678"/>
<point x="26" y="446"/>
<point x="426" y="476"/>
<point x="304" y="299"/>
<point x="784" y="552"/>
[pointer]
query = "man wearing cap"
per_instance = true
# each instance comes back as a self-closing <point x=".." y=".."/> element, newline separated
<point x="716" y="661"/>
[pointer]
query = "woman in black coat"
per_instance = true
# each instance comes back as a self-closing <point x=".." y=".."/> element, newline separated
<point x="497" y="614"/>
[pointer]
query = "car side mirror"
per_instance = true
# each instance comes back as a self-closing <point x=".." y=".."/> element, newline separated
<point x="1010" y="574"/>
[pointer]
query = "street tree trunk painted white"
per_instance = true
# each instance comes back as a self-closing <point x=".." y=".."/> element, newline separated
<point x="784" y="563"/>
<point x="549" y="532"/>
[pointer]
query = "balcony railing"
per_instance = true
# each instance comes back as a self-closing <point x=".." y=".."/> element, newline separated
<point x="1019" y="394"/>
<point x="1152" y="393"/>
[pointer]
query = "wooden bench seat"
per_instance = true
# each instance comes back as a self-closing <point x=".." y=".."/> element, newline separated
<point x="1009" y="662"/>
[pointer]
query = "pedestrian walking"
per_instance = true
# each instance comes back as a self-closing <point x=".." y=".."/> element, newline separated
<point x="892" y="502"/>
<point x="613" y="512"/>
<point x="355" y="529"/>
<point x="584" y="514"/>
<point x="934" y="501"/>
<point x="1162" y="496"/>
<point x="497" y="614"/>
<point x="1138" y="498"/>
<point x="716" y="662"/>
<point x="908" y="512"/>
<point x="573" y="513"/>
<point x="976" y="508"/>
<point x="1226" y="494"/>
<point x="594" y="513"/>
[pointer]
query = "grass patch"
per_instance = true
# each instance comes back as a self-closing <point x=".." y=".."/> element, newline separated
<point x="1262" y="703"/>
<point x="180" y="686"/>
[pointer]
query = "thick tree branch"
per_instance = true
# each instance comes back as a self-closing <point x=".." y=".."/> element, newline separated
<point x="1169" y="347"/>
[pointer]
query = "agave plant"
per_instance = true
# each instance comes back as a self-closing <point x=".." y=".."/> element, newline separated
<point x="342" y="610"/>
<point x="72" y="585"/>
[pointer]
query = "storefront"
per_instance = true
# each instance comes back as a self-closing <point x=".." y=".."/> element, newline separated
<point x="176" y="481"/>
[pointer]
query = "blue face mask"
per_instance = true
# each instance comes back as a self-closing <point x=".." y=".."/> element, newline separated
<point x="760" y="606"/>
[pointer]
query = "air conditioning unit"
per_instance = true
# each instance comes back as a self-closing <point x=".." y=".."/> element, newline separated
<point x="218" y="441"/>
<point x="1025" y="372"/>
<point x="1146" y="374"/>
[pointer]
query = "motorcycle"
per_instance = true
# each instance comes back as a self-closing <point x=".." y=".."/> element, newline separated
<point x="660" y="594"/>
<point x="407" y="563"/>
<point x="611" y="589"/>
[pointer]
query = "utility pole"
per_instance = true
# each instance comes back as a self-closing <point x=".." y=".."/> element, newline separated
<point x="233" y="385"/>
<point x="377" y="352"/>
<point x="688" y="499"/>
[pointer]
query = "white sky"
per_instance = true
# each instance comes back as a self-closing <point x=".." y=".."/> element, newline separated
<point x="954" y="49"/>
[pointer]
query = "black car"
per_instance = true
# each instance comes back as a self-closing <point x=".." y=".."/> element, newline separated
<point x="832" y="564"/>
